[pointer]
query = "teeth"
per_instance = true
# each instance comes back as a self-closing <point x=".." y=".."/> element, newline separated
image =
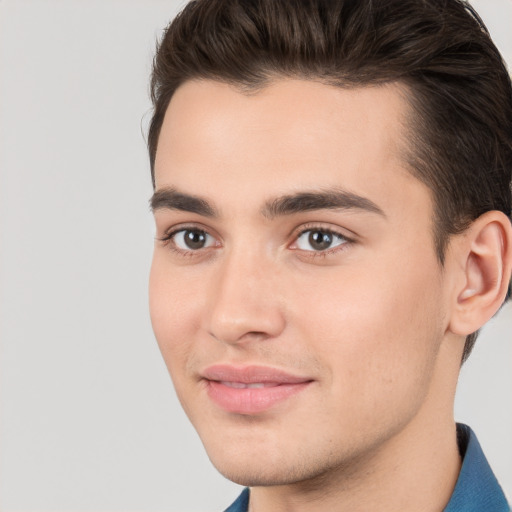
<point x="241" y="385"/>
<point x="238" y="385"/>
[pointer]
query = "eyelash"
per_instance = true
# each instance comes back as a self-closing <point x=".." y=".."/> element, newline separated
<point x="347" y="241"/>
<point x="167" y="240"/>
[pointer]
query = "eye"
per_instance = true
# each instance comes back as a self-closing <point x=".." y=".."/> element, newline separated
<point x="318" y="240"/>
<point x="191" y="239"/>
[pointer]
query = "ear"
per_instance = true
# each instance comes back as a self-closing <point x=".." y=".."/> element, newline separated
<point x="484" y="254"/>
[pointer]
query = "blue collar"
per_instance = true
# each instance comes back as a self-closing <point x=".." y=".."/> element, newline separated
<point x="477" y="489"/>
<point x="241" y="504"/>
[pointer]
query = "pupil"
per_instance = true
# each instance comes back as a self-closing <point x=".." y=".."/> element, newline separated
<point x="320" y="240"/>
<point x="195" y="239"/>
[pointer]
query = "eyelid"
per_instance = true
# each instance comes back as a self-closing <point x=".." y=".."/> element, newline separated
<point x="171" y="232"/>
<point x="179" y="240"/>
<point x="324" y="226"/>
<point x="176" y="228"/>
<point x="336" y="231"/>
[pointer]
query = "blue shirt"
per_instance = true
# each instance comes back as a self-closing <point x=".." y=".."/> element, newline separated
<point x="477" y="489"/>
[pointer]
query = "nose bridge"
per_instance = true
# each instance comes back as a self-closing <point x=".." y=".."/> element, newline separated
<point x="244" y="304"/>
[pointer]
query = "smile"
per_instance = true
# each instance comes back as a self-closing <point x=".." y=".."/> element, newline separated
<point x="255" y="385"/>
<point x="251" y="390"/>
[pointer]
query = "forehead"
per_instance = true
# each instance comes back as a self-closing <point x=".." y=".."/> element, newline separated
<point x="292" y="134"/>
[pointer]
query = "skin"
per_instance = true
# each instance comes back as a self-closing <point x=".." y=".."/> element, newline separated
<point x="370" y="321"/>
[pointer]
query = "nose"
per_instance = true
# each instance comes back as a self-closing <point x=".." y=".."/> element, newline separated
<point x="244" y="301"/>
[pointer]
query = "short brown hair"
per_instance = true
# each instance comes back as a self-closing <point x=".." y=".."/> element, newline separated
<point x="461" y="93"/>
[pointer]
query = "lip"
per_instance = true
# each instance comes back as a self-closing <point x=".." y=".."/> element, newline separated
<point x="251" y="389"/>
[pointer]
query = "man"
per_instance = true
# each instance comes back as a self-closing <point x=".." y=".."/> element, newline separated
<point x="332" y="202"/>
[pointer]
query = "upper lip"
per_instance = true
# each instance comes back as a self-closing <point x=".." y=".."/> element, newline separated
<point x="251" y="374"/>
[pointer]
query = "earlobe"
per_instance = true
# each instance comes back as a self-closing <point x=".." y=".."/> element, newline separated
<point x="486" y="261"/>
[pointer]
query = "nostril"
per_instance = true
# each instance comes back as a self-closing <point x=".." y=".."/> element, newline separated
<point x="233" y="338"/>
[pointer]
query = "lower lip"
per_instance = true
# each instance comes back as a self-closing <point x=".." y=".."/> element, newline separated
<point x="251" y="400"/>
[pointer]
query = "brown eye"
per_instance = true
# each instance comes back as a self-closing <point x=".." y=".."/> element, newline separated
<point x="192" y="239"/>
<point x="320" y="240"/>
<point x="317" y="240"/>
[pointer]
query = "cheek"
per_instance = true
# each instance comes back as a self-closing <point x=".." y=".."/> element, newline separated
<point x="378" y="332"/>
<point x="174" y="310"/>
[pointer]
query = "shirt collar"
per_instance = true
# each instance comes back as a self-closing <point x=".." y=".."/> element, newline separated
<point x="477" y="488"/>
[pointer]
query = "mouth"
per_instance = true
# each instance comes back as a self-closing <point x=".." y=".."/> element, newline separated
<point x="253" y="385"/>
<point x="251" y="389"/>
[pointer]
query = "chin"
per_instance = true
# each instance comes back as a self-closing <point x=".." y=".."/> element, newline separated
<point x="263" y="467"/>
<point x="251" y="464"/>
<point x="252" y="478"/>
<point x="261" y="475"/>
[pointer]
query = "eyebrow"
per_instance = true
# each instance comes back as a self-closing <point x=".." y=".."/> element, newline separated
<point x="337" y="199"/>
<point x="169" y="198"/>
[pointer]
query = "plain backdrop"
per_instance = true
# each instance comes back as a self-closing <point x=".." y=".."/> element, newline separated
<point x="89" y="420"/>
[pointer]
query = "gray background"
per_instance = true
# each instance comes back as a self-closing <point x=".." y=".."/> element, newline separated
<point x="89" y="421"/>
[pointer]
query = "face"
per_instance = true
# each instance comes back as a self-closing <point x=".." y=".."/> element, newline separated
<point x="295" y="292"/>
